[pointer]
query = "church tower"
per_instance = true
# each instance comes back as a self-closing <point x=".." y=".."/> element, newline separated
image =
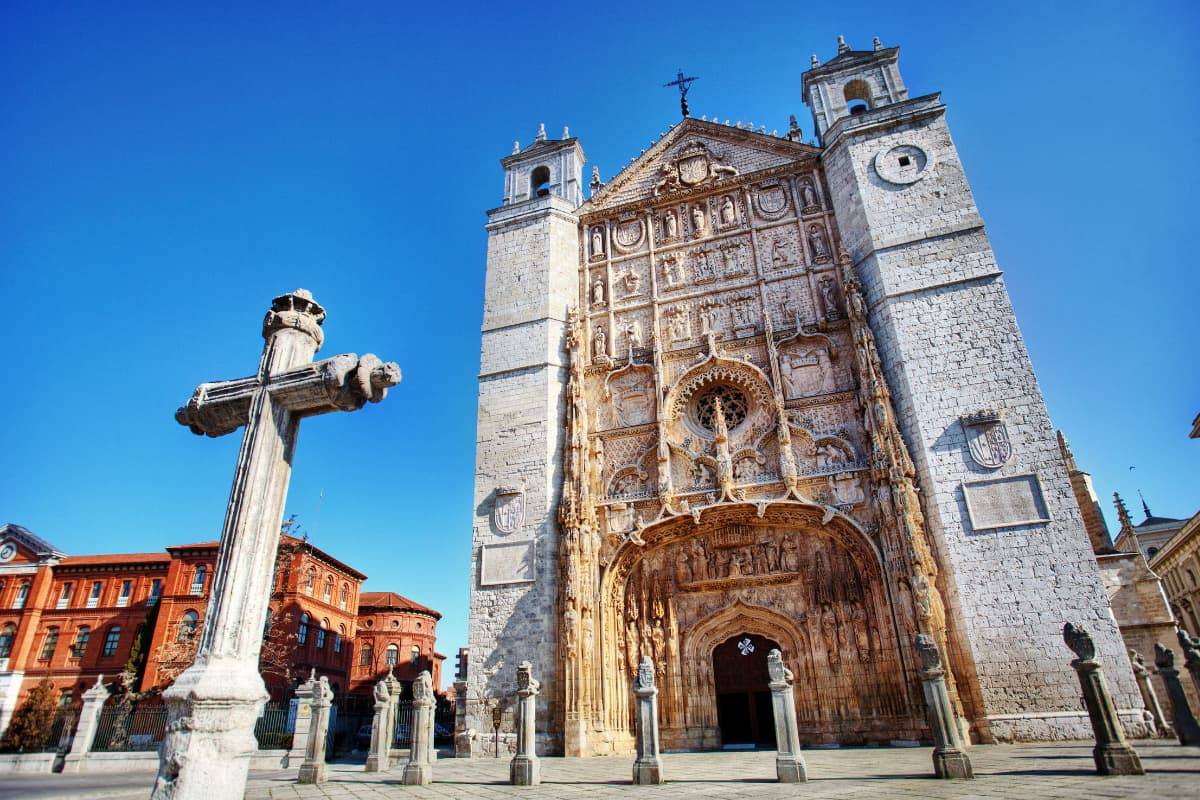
<point x="1017" y="562"/>
<point x="532" y="278"/>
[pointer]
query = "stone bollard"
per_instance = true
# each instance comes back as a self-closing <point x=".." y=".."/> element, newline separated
<point x="462" y="736"/>
<point x="1191" y="656"/>
<point x="419" y="769"/>
<point x="313" y="768"/>
<point x="1112" y="754"/>
<point x="305" y="693"/>
<point x="648" y="768"/>
<point x="950" y="759"/>
<point x="525" y="769"/>
<point x="1185" y="723"/>
<point x="1141" y="674"/>
<point x="789" y="764"/>
<point x="85" y="732"/>
<point x="379" y="759"/>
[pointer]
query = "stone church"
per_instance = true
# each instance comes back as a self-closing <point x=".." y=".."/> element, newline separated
<point x="758" y="392"/>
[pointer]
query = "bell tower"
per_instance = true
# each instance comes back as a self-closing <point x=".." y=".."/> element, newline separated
<point x="1016" y="561"/>
<point x="532" y="278"/>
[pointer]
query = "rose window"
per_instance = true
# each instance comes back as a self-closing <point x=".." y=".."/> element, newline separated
<point x="733" y="406"/>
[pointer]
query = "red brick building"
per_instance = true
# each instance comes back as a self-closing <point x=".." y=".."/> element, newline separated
<point x="73" y="618"/>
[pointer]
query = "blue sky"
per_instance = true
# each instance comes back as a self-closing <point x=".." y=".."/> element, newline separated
<point x="166" y="169"/>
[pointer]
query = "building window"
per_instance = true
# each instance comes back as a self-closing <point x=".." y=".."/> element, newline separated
<point x="327" y="594"/>
<point x="366" y="655"/>
<point x="302" y="637"/>
<point x="155" y="592"/>
<point x="6" y="639"/>
<point x="64" y="596"/>
<point x="112" y="640"/>
<point x="81" y="641"/>
<point x="342" y="598"/>
<point x="416" y="654"/>
<point x="393" y="655"/>
<point x="126" y="590"/>
<point x="1152" y="552"/>
<point x="198" y="580"/>
<point x="539" y="182"/>
<point x="310" y="582"/>
<point x="22" y="596"/>
<point x="187" y="626"/>
<point x="94" y="596"/>
<point x="337" y="638"/>
<point x="320" y="637"/>
<point x="49" y="643"/>
<point x="1191" y="577"/>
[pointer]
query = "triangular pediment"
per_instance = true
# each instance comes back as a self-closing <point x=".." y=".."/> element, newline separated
<point x="693" y="154"/>
<point x="19" y="544"/>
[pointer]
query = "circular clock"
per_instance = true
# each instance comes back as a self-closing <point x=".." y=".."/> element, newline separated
<point x="8" y="551"/>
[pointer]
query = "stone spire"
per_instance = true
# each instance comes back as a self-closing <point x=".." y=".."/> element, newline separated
<point x="1122" y="512"/>
<point x="842" y="46"/>
<point x="541" y="134"/>
<point x="1145" y="508"/>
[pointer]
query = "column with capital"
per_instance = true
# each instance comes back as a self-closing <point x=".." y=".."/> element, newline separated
<point x="305" y="693"/>
<point x="1141" y="674"/>
<point x="213" y="705"/>
<point x="1186" y="727"/>
<point x="950" y="759"/>
<point x="525" y="769"/>
<point x="85" y="732"/>
<point x="648" y="768"/>
<point x="789" y="763"/>
<point x="419" y="769"/>
<point x="382" y="731"/>
<point x="1112" y="754"/>
<point x="313" y="768"/>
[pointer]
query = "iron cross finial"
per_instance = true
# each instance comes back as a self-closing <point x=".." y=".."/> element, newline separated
<point x="682" y="83"/>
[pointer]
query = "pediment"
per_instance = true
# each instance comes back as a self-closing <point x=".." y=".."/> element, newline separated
<point x="692" y="155"/>
<point x="20" y="545"/>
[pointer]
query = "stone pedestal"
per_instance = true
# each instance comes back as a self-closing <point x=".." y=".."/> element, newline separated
<point x="525" y="769"/>
<point x="1191" y="656"/>
<point x="1186" y="727"/>
<point x="85" y="732"/>
<point x="419" y="769"/>
<point x="950" y="759"/>
<point x="305" y="693"/>
<point x="1112" y="754"/>
<point x="378" y="759"/>
<point x="313" y="768"/>
<point x="462" y="735"/>
<point x="789" y="764"/>
<point x="1149" y="697"/>
<point x="648" y="768"/>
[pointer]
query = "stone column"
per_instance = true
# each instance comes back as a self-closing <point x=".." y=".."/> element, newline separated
<point x="395" y="690"/>
<point x="648" y="768"/>
<point x="85" y="732"/>
<point x="1186" y="727"/>
<point x="1191" y="656"/>
<point x="305" y="693"/>
<point x="462" y="736"/>
<point x="1112" y="754"/>
<point x="789" y="764"/>
<point x="950" y="759"/>
<point x="1149" y="697"/>
<point x="525" y="768"/>
<point x="419" y="769"/>
<point x="379" y="760"/>
<point x="313" y="768"/>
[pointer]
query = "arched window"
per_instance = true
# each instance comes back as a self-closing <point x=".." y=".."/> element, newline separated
<point x="310" y="582"/>
<point x="858" y="96"/>
<point x="6" y="639"/>
<point x="302" y="634"/>
<point x="112" y="640"/>
<point x="1152" y="552"/>
<point x="393" y="655"/>
<point x="198" y="579"/>
<point x="337" y="638"/>
<point x="49" y="643"/>
<point x="320" y="637"/>
<point x="342" y="598"/>
<point x="22" y="595"/>
<point x="1191" y="577"/>
<point x="327" y="595"/>
<point x="539" y="182"/>
<point x="366" y="655"/>
<point x="187" y="626"/>
<point x="81" y="641"/>
<point x="416" y="654"/>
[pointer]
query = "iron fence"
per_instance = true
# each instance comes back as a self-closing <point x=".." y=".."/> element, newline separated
<point x="274" y="728"/>
<point x="351" y="731"/>
<point x="402" y="732"/>
<point x="62" y="728"/>
<point x="130" y="727"/>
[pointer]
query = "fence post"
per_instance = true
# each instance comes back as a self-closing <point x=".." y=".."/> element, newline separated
<point x="313" y="768"/>
<point x="305" y="693"/>
<point x="85" y="732"/>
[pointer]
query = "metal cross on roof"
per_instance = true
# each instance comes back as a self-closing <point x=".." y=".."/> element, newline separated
<point x="683" y="83"/>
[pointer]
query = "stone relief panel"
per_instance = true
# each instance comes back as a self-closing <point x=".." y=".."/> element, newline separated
<point x="631" y="281"/>
<point x="806" y="366"/>
<point x="779" y="249"/>
<point x="633" y="331"/>
<point x="788" y="302"/>
<point x="771" y="200"/>
<point x="629" y="234"/>
<point x="631" y="395"/>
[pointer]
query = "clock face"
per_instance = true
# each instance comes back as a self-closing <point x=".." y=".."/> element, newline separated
<point x="8" y="551"/>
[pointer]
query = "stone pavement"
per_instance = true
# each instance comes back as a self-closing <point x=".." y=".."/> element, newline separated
<point x="1027" y="772"/>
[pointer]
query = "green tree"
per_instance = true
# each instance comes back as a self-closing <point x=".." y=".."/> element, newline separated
<point x="31" y="724"/>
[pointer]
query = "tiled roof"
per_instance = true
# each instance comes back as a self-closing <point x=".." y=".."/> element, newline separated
<point x="393" y="600"/>
<point x="114" y="559"/>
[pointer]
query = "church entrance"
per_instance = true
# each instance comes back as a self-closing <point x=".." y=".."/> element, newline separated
<point x="744" y="712"/>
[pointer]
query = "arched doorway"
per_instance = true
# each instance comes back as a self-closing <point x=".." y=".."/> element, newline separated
<point x="740" y="676"/>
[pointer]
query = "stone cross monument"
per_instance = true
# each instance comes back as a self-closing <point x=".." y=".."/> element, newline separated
<point x="1112" y="754"/>
<point x="1186" y="727"/>
<point x="419" y="769"/>
<point x="789" y="763"/>
<point x="313" y="768"/>
<point x="525" y="769"/>
<point x="648" y="766"/>
<point x="213" y="704"/>
<point x="950" y="759"/>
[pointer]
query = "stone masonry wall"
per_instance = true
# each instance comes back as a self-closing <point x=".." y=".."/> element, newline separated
<point x="950" y="346"/>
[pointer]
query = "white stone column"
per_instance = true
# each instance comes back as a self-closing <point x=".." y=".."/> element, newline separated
<point x="525" y="769"/>
<point x="85" y="731"/>
<point x="950" y="759"/>
<point x="305" y="693"/>
<point x="1149" y="697"/>
<point x="1186" y="727"/>
<point x="648" y="768"/>
<point x="462" y="735"/>
<point x="313" y="768"/>
<point x="419" y="769"/>
<point x="789" y="763"/>
<point x="379" y="759"/>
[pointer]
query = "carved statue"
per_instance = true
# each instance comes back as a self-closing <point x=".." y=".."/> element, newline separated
<point x="779" y="254"/>
<point x="597" y="242"/>
<point x="598" y="292"/>
<point x="1080" y="642"/>
<point x="710" y="318"/>
<point x="698" y="224"/>
<point x="862" y="640"/>
<point x="381" y="693"/>
<point x="683" y="569"/>
<point x="809" y="195"/>
<point x="668" y="179"/>
<point x="632" y="280"/>
<point x="829" y="632"/>
<point x="816" y="240"/>
<point x="699" y="560"/>
<point x="789" y="558"/>
<point x="599" y="343"/>
<point x="670" y="225"/>
<point x="680" y="324"/>
<point x="829" y="298"/>
<point x="728" y="213"/>
<point x="633" y="333"/>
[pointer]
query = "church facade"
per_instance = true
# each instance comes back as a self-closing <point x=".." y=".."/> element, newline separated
<point x="759" y="393"/>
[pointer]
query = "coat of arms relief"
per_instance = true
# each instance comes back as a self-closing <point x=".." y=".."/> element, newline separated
<point x="694" y="165"/>
<point x="987" y="438"/>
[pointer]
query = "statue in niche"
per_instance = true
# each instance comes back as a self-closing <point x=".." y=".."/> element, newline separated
<point x="599" y="343"/>
<point x="809" y="195"/>
<point x="699" y="560"/>
<point x="683" y="569"/>
<point x="822" y="594"/>
<point x="701" y="474"/>
<point x="789" y="557"/>
<point x="659" y="639"/>
<point x="739" y="564"/>
<point x="770" y="555"/>
<point x="724" y="564"/>
<point x="746" y="469"/>
<point x="710" y="318"/>
<point x="597" y="242"/>
<point x="704" y="266"/>
<point x="743" y="314"/>
<point x="570" y="631"/>
<point x="758" y="552"/>
<point x="807" y="372"/>
<point x="829" y="298"/>
<point x="598" y="292"/>
<point x="672" y="269"/>
<point x="586" y="640"/>
<point x="816" y="240"/>
<point x="670" y="225"/>
<point x="698" y="224"/>
<point x="633" y="333"/>
<point x="632" y="281"/>
<point x="632" y="646"/>
<point x="728" y="212"/>
<point x="862" y="640"/>
<point x="847" y="491"/>
<point x="829" y="632"/>
<point x="830" y="456"/>
<point x="680" y="325"/>
<point x="779" y="254"/>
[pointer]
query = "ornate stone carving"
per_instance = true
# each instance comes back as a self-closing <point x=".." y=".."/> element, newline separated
<point x="508" y="514"/>
<point x="597" y="242"/>
<point x="818" y="244"/>
<point x="987" y="438"/>
<point x="808" y="196"/>
<point x="693" y="166"/>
